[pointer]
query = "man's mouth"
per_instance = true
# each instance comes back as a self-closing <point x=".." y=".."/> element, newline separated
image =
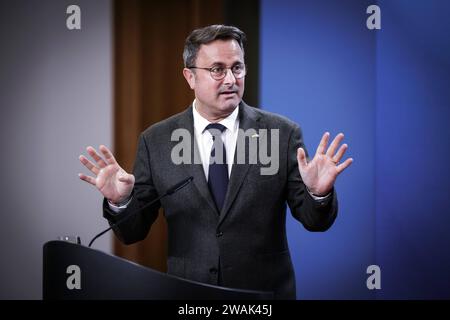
<point x="228" y="92"/>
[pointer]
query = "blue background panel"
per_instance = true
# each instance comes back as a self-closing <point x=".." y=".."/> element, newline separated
<point x="388" y="91"/>
<point x="317" y="67"/>
<point x="412" y="135"/>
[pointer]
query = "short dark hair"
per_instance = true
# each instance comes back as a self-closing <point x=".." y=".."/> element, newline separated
<point x="206" y="35"/>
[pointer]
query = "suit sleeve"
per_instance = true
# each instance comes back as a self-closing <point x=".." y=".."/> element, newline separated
<point x="315" y="215"/>
<point x="137" y="226"/>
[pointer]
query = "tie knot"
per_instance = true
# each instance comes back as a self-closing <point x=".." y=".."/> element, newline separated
<point x="215" y="128"/>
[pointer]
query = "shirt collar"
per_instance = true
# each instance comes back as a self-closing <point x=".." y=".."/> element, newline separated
<point x="229" y="122"/>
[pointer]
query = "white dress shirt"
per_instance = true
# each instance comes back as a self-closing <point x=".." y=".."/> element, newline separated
<point x="204" y="137"/>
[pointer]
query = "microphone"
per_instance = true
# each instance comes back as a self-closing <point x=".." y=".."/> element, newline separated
<point x="180" y="185"/>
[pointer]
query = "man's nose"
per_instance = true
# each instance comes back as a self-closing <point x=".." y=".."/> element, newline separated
<point x="229" y="78"/>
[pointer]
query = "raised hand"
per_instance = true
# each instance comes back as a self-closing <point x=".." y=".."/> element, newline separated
<point x="321" y="172"/>
<point x="110" y="179"/>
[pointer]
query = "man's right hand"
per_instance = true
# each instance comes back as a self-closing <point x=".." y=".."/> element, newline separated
<point x="110" y="179"/>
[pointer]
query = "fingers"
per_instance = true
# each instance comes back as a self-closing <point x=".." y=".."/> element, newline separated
<point x="323" y="143"/>
<point x="344" y="165"/>
<point x="333" y="146"/>
<point x="301" y="158"/>
<point x="86" y="178"/>
<point x="100" y="162"/>
<point x="108" y="155"/>
<point x="340" y="153"/>
<point x="88" y="164"/>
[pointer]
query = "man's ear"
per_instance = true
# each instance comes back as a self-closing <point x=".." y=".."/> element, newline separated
<point x="190" y="77"/>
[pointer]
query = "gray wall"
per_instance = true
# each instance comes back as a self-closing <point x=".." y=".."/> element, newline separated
<point x="55" y="99"/>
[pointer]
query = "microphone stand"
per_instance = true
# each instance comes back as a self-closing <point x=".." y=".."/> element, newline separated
<point x="180" y="185"/>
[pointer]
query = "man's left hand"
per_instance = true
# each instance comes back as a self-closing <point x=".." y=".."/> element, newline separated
<point x="321" y="172"/>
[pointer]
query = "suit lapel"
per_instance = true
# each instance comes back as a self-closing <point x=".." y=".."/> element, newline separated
<point x="248" y="119"/>
<point x="196" y="169"/>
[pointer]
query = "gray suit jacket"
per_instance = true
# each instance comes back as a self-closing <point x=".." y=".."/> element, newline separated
<point x="244" y="245"/>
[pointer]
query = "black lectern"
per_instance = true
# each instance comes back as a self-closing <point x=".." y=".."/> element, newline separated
<point x="72" y="271"/>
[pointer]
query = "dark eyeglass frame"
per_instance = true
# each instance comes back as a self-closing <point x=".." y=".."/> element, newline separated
<point x="224" y="73"/>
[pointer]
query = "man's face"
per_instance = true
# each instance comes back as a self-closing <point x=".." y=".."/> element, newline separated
<point x="217" y="98"/>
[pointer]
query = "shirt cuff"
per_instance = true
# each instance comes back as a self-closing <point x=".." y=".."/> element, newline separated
<point x="119" y="208"/>
<point x="318" y="198"/>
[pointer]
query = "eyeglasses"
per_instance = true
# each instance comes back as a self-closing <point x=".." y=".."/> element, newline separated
<point x="220" y="72"/>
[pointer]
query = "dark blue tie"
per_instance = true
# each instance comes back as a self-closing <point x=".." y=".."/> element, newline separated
<point x="218" y="168"/>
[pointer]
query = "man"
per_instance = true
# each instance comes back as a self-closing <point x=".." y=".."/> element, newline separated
<point x="227" y="227"/>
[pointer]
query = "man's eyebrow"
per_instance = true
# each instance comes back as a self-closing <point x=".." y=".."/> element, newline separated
<point x="221" y="64"/>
